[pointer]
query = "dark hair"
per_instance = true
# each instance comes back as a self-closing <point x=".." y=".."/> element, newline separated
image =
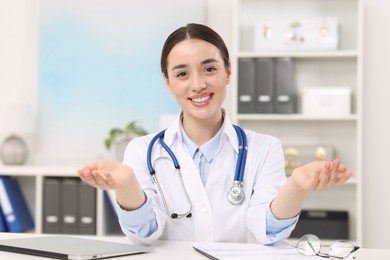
<point x="193" y="31"/>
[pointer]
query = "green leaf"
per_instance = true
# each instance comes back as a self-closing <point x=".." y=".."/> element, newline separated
<point x="130" y="131"/>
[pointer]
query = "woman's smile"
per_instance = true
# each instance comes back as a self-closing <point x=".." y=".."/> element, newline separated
<point x="201" y="100"/>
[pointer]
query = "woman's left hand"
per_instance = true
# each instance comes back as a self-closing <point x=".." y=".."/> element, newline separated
<point x="320" y="175"/>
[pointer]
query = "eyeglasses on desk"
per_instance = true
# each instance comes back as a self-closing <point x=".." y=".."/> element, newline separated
<point x="341" y="249"/>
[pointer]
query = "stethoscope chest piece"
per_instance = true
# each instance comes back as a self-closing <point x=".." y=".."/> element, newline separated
<point x="236" y="195"/>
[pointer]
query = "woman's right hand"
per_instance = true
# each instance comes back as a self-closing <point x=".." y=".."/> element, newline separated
<point x="105" y="174"/>
<point x="114" y="175"/>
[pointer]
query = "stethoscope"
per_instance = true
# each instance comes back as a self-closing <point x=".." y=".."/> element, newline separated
<point x="236" y="194"/>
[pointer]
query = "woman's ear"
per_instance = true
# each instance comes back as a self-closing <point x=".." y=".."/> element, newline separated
<point x="229" y="73"/>
<point x="166" y="81"/>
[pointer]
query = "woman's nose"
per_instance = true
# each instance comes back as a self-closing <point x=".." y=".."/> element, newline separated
<point x="199" y="82"/>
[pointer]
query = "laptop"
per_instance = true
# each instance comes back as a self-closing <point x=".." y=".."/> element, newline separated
<point x="68" y="247"/>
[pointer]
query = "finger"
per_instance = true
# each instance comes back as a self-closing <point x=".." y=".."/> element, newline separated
<point x="324" y="178"/>
<point x="342" y="168"/>
<point x="90" y="181"/>
<point x="338" y="166"/>
<point x="335" y="164"/>
<point x="84" y="171"/>
<point x="315" y="180"/>
<point x="343" y="177"/>
<point x="99" y="179"/>
<point x="110" y="180"/>
<point x="85" y="176"/>
<point x="334" y="174"/>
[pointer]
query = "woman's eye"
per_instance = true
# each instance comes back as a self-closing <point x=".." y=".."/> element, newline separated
<point x="181" y="74"/>
<point x="210" y="69"/>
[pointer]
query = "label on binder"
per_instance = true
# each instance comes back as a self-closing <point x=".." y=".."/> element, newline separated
<point x="245" y="98"/>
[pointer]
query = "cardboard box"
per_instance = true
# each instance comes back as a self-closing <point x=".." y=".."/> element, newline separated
<point x="326" y="101"/>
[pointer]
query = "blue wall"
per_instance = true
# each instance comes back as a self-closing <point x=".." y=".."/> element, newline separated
<point x="99" y="69"/>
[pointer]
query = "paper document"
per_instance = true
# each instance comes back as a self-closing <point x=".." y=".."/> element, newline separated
<point x="222" y="251"/>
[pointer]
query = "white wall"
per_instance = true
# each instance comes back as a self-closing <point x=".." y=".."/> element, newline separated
<point x="19" y="51"/>
<point x="18" y="82"/>
<point x="376" y="120"/>
<point x="18" y="63"/>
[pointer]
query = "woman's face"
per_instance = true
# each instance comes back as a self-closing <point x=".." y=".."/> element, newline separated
<point x="197" y="77"/>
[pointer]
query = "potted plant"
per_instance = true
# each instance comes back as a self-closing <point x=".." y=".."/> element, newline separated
<point x="120" y="137"/>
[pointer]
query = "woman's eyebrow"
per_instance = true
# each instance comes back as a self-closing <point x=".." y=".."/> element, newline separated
<point x="179" y="66"/>
<point x="209" y="61"/>
<point x="206" y="61"/>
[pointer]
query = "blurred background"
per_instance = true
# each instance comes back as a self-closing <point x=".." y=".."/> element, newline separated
<point x="72" y="70"/>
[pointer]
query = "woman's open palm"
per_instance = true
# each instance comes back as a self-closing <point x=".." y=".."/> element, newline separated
<point x="320" y="175"/>
<point x="106" y="174"/>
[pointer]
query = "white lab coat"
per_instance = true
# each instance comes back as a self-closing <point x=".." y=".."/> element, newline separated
<point x="213" y="217"/>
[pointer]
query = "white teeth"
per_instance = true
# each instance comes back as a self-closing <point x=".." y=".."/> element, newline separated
<point x="200" y="100"/>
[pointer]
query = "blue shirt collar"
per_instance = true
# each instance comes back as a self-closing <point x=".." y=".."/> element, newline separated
<point x="209" y="149"/>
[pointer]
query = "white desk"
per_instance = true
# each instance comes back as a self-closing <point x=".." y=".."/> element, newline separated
<point x="173" y="250"/>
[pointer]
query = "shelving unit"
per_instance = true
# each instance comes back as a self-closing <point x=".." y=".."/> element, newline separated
<point x="31" y="179"/>
<point x="341" y="67"/>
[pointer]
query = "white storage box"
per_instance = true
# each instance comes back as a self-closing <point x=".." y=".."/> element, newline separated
<point x="319" y="33"/>
<point x="326" y="101"/>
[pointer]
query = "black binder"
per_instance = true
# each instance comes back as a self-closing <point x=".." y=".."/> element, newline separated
<point x="87" y="209"/>
<point x="69" y="205"/>
<point x="51" y="205"/>
<point x="285" y="92"/>
<point x="326" y="224"/>
<point x="264" y="85"/>
<point x="246" y="85"/>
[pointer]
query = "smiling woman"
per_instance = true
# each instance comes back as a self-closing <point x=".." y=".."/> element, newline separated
<point x="192" y="185"/>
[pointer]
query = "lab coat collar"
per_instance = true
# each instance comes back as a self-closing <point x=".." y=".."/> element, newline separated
<point x="230" y="133"/>
<point x="173" y="132"/>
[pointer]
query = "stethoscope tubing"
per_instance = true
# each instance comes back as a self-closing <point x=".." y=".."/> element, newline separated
<point x="149" y="152"/>
<point x="235" y="195"/>
<point x="152" y="172"/>
<point x="243" y="150"/>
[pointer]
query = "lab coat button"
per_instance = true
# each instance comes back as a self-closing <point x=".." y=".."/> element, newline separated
<point x="203" y="209"/>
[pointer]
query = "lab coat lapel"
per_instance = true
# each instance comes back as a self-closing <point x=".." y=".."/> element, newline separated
<point x="201" y="208"/>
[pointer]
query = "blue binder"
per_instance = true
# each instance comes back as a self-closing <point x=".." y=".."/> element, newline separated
<point x="17" y="216"/>
<point x="3" y="227"/>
